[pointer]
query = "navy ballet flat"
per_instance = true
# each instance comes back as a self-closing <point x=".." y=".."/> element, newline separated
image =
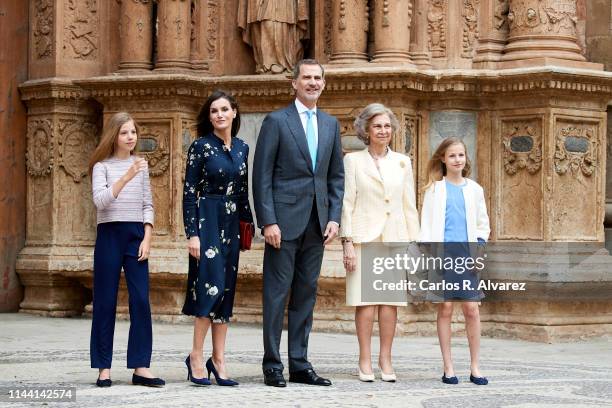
<point x="479" y="380"/>
<point x="197" y="381"/>
<point x="147" y="382"/>
<point x="104" y="383"/>
<point x="220" y="381"/>
<point x="449" y="380"/>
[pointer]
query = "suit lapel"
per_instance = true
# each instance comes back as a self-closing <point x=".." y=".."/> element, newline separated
<point x="370" y="167"/>
<point x="325" y="136"/>
<point x="295" y="126"/>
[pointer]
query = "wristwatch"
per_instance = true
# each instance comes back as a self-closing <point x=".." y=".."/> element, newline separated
<point x="346" y="239"/>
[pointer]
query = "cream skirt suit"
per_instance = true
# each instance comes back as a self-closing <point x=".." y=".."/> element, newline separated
<point x="379" y="206"/>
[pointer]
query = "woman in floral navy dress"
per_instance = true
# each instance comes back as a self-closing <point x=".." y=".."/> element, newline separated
<point x="215" y="199"/>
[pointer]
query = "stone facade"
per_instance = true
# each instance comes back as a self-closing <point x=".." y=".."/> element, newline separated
<point x="512" y="76"/>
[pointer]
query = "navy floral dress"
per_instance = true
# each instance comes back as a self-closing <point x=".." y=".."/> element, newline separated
<point x="215" y="198"/>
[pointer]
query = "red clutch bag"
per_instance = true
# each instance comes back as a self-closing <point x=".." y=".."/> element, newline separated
<point x="246" y="234"/>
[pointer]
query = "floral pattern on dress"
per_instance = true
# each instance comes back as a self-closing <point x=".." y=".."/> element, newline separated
<point x="215" y="199"/>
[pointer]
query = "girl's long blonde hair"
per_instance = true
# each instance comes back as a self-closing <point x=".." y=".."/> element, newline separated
<point x="106" y="147"/>
<point x="436" y="169"/>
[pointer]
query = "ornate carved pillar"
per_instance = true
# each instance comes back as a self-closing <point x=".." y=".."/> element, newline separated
<point x="173" y="35"/>
<point x="493" y="33"/>
<point x="391" y="27"/>
<point x="136" y="31"/>
<point x="419" y="53"/>
<point x="542" y="28"/>
<point x="349" y="31"/>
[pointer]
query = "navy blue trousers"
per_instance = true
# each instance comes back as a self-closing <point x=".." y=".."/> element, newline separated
<point x="117" y="246"/>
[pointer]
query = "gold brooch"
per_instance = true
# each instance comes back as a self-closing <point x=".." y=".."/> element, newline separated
<point x="402" y="164"/>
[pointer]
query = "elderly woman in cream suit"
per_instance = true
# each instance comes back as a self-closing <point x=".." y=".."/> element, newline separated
<point x="379" y="206"/>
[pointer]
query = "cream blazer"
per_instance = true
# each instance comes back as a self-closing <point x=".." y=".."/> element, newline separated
<point x="374" y="206"/>
<point x="434" y="212"/>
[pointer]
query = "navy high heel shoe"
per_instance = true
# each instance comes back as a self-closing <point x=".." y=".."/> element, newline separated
<point x="197" y="381"/>
<point x="220" y="381"/>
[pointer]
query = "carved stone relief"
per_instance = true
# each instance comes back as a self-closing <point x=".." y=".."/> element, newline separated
<point x="521" y="177"/>
<point x="77" y="140"/>
<point x="576" y="149"/>
<point x="522" y="147"/>
<point x="469" y="13"/>
<point x="410" y="130"/>
<point x="327" y="34"/>
<point x="348" y="135"/>
<point x="81" y="29"/>
<point x="575" y="164"/>
<point x="436" y="27"/>
<point x="500" y="14"/>
<point x="43" y="28"/>
<point x="543" y="16"/>
<point x="189" y="134"/>
<point x="39" y="156"/>
<point x="212" y="29"/>
<point x="153" y="144"/>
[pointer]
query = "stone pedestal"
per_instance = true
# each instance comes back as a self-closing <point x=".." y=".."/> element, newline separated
<point x="62" y="133"/>
<point x="136" y="32"/>
<point x="391" y="26"/>
<point x="349" y="31"/>
<point x="173" y="35"/>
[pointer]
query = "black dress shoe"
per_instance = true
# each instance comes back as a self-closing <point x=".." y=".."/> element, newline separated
<point x="274" y="378"/>
<point x="309" y="377"/>
<point x="104" y="383"/>
<point x="147" y="382"/>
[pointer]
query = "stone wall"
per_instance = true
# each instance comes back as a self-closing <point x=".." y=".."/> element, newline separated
<point x="510" y="76"/>
<point x="13" y="71"/>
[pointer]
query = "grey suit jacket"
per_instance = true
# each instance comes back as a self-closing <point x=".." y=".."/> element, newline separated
<point x="284" y="184"/>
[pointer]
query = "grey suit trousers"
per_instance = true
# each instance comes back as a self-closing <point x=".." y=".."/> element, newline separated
<point x="292" y="270"/>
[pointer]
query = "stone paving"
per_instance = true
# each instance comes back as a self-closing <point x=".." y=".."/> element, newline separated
<point x="53" y="352"/>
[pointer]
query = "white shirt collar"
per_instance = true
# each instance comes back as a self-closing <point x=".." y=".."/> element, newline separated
<point x="301" y="108"/>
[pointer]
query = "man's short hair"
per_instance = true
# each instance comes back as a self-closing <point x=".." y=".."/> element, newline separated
<point x="308" y="61"/>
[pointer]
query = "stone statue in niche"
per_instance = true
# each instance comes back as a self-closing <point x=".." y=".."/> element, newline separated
<point x="275" y="29"/>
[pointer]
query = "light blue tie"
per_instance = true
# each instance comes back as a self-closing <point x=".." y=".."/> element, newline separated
<point x="311" y="138"/>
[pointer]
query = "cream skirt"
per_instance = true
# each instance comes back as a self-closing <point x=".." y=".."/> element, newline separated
<point x="353" y="284"/>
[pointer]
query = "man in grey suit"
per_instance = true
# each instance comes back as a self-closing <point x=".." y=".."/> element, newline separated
<point x="298" y="185"/>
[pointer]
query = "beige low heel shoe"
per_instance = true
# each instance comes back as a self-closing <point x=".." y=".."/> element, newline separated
<point x="366" y="377"/>
<point x="387" y="377"/>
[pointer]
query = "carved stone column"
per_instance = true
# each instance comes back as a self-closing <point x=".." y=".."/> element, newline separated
<point x="173" y="35"/>
<point x="493" y="33"/>
<point x="391" y="26"/>
<point x="349" y="31"/>
<point x="136" y="32"/>
<point x="542" y="28"/>
<point x="419" y="53"/>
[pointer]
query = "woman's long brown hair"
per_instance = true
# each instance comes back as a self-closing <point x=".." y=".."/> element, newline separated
<point x="106" y="147"/>
<point x="436" y="169"/>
